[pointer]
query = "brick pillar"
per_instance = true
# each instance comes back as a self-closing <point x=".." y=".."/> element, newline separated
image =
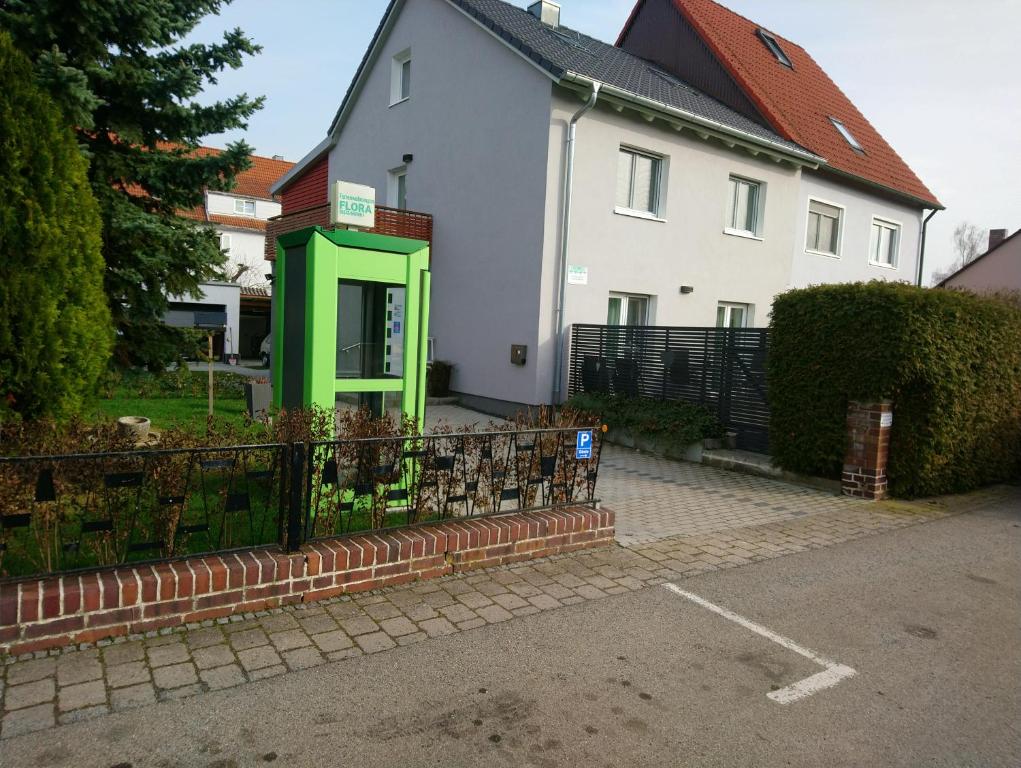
<point x="868" y="447"/>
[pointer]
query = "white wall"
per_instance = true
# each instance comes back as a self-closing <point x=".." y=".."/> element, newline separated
<point x="633" y="255"/>
<point x="247" y="249"/>
<point x="222" y="203"/>
<point x="853" y="262"/>
<point x="477" y="125"/>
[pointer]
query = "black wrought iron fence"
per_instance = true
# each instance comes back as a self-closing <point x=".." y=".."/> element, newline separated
<point x="360" y="485"/>
<point x="723" y="369"/>
<point x="63" y="513"/>
<point x="83" y="511"/>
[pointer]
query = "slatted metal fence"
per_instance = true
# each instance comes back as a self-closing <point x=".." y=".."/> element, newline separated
<point x="723" y="369"/>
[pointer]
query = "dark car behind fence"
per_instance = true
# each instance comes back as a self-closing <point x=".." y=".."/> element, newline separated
<point x="87" y="511"/>
<point x="723" y="369"/>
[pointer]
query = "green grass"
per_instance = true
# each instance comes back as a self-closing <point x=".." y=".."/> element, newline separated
<point x="165" y="412"/>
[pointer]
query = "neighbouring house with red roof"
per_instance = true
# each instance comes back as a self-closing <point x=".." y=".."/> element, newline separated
<point x="682" y="177"/>
<point x="243" y="298"/>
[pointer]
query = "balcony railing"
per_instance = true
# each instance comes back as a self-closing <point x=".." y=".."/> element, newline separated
<point x="389" y="221"/>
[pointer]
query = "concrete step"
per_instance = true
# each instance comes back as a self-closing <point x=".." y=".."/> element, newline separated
<point x="762" y="465"/>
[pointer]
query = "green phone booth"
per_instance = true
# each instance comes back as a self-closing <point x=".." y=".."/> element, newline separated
<point x="351" y="322"/>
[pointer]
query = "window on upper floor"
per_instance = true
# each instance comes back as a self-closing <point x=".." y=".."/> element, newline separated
<point x="244" y="207"/>
<point x="848" y="136"/>
<point x="824" y="225"/>
<point x="225" y="243"/>
<point x="638" y="182"/>
<point x="745" y="204"/>
<point x="400" y="77"/>
<point x="775" y="48"/>
<point x="884" y="243"/>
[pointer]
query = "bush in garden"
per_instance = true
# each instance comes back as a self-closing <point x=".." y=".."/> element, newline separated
<point x="680" y="422"/>
<point x="55" y="329"/>
<point x="949" y="360"/>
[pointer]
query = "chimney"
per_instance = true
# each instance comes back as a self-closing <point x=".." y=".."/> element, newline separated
<point x="547" y="12"/>
<point x="996" y="236"/>
<point x="278" y="157"/>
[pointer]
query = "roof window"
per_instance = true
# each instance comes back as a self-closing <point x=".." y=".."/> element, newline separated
<point x="774" y="47"/>
<point x="848" y="136"/>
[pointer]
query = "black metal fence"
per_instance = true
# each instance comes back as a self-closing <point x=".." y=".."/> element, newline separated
<point x="723" y="369"/>
<point x="83" y="511"/>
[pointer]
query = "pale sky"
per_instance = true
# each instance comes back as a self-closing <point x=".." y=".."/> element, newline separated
<point x="937" y="78"/>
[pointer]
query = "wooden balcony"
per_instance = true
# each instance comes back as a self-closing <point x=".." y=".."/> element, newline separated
<point x="389" y="221"/>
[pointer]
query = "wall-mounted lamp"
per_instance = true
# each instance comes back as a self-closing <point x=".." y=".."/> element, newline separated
<point x="687" y="289"/>
<point x="269" y="277"/>
<point x="408" y="158"/>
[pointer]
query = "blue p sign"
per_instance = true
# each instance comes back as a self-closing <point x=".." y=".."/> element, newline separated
<point x="583" y="446"/>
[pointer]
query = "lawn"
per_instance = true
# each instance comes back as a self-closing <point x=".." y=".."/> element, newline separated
<point x="164" y="412"/>
<point x="174" y="399"/>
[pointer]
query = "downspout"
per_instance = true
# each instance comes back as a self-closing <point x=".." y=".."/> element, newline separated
<point x="565" y="236"/>
<point x="921" y="249"/>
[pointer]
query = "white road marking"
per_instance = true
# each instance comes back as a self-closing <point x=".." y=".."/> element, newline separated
<point x="830" y="676"/>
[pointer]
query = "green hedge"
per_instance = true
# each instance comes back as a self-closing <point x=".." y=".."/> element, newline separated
<point x="680" y="422"/>
<point x="950" y="361"/>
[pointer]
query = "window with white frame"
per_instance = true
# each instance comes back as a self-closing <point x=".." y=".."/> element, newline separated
<point x="844" y="131"/>
<point x="745" y="200"/>
<point x="730" y="314"/>
<point x="627" y="309"/>
<point x="400" y="77"/>
<point x="244" y="207"/>
<point x="884" y="244"/>
<point x="397" y="188"/>
<point x="775" y="48"/>
<point x="638" y="181"/>
<point x="824" y="224"/>
<point x="225" y="243"/>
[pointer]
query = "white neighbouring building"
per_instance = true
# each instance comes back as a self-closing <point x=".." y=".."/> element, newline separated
<point x="239" y="216"/>
<point x="697" y="195"/>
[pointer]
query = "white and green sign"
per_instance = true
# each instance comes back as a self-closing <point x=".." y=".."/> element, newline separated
<point x="353" y="205"/>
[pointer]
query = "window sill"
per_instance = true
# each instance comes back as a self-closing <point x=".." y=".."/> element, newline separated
<point x="742" y="233"/>
<point x="882" y="266"/>
<point x="399" y="101"/>
<point x="637" y="214"/>
<point x="823" y="253"/>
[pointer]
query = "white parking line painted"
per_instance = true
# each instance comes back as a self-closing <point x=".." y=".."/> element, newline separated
<point x="830" y="676"/>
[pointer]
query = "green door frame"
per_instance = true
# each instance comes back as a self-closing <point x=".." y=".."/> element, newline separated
<point x="330" y="256"/>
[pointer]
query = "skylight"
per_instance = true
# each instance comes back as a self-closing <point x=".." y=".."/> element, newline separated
<point x="774" y="47"/>
<point x="848" y="136"/>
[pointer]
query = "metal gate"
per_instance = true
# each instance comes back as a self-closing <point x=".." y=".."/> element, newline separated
<point x="723" y="369"/>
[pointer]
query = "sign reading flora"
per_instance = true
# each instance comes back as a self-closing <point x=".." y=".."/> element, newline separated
<point x="353" y="205"/>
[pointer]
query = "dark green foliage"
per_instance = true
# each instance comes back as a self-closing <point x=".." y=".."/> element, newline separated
<point x="55" y="334"/>
<point x="675" y="420"/>
<point x="182" y="382"/>
<point x="128" y="87"/>
<point x="950" y="361"/>
<point x="437" y="379"/>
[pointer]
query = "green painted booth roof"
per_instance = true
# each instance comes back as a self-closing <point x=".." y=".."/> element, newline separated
<point x="345" y="237"/>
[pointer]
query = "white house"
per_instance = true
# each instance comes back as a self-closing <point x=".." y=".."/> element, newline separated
<point x="572" y="181"/>
<point x="239" y="216"/>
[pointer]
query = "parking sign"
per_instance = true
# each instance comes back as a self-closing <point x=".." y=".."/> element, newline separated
<point x="583" y="446"/>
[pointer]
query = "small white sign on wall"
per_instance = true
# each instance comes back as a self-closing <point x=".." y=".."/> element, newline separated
<point x="886" y="419"/>
<point x="353" y="205"/>
<point x="577" y="275"/>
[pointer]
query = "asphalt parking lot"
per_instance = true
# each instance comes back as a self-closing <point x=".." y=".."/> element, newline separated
<point x="927" y="618"/>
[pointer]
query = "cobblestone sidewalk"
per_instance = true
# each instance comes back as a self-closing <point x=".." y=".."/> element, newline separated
<point x="40" y="691"/>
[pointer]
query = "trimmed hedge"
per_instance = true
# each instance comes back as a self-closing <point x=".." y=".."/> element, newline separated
<point x="680" y="422"/>
<point x="949" y="360"/>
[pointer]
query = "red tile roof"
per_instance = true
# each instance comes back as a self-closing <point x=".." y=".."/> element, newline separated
<point x="798" y="102"/>
<point x="256" y="181"/>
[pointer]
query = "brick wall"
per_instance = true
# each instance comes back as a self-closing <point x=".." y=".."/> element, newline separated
<point x="389" y="221"/>
<point x="36" y="614"/>
<point x="868" y="448"/>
